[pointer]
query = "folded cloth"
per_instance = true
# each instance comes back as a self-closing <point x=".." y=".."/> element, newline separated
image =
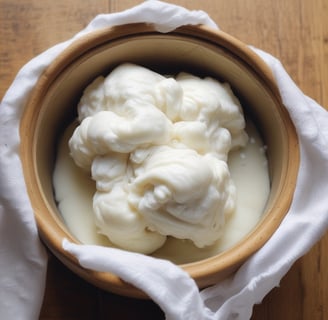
<point x="23" y="259"/>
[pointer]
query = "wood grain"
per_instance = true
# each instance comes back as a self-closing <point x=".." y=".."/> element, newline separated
<point x="295" y="31"/>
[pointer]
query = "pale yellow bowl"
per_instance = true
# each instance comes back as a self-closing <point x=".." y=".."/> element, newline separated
<point x="196" y="49"/>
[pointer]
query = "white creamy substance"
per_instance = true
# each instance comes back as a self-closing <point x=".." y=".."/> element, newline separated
<point x="157" y="149"/>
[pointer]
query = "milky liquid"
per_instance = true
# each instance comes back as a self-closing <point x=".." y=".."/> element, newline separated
<point x="74" y="190"/>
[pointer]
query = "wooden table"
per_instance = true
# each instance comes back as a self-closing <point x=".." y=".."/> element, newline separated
<point x="296" y="31"/>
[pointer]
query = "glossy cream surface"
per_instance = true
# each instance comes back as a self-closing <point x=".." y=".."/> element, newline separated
<point x="150" y="164"/>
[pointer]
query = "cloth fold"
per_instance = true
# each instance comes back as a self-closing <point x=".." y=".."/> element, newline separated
<point x="157" y="277"/>
<point x="23" y="259"/>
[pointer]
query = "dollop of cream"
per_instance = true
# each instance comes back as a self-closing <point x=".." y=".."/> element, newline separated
<point x="157" y="148"/>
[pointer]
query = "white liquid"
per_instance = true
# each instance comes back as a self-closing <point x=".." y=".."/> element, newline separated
<point x="74" y="192"/>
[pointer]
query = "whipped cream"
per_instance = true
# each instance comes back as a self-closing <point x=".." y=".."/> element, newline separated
<point x="157" y="148"/>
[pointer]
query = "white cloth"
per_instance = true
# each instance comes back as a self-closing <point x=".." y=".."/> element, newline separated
<point x="23" y="259"/>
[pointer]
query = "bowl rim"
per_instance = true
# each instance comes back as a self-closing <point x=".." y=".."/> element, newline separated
<point x="52" y="236"/>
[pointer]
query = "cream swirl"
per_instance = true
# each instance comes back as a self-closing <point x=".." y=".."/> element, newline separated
<point x="157" y="148"/>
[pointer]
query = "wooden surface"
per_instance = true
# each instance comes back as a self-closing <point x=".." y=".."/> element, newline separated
<point x="296" y="31"/>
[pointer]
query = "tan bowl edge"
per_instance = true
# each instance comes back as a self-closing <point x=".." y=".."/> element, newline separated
<point x="53" y="237"/>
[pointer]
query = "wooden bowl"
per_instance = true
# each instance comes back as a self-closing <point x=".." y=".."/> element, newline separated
<point x="197" y="49"/>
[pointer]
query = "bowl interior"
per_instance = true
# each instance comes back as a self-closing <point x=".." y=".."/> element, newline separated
<point x="193" y="49"/>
